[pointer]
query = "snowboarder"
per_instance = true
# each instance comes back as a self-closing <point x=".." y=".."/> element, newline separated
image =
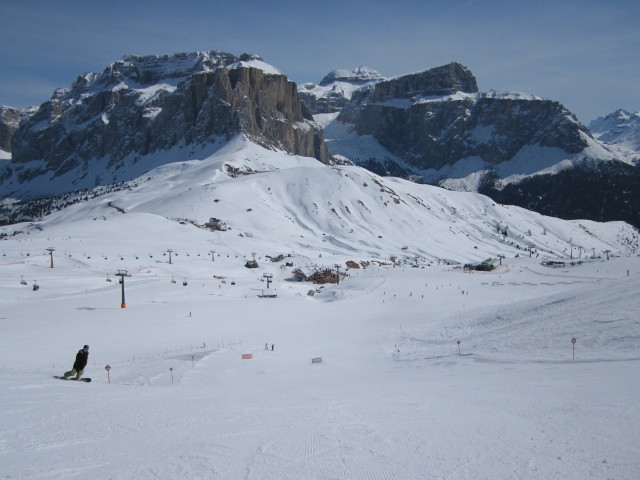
<point x="82" y="357"/>
<point x="266" y="346"/>
<point x="272" y="347"/>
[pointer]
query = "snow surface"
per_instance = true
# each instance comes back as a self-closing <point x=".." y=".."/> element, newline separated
<point x="258" y="64"/>
<point x="150" y="93"/>
<point x="395" y="397"/>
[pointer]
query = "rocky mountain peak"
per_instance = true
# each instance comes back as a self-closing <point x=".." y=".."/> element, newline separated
<point x="439" y="81"/>
<point x="9" y="120"/>
<point x="336" y="89"/>
<point x="138" y="106"/>
<point x="620" y="127"/>
<point x="435" y="119"/>
<point x="618" y="117"/>
<point x="140" y="71"/>
<point x="357" y="76"/>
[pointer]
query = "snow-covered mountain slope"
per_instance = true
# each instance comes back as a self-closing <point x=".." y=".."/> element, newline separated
<point x="193" y="393"/>
<point x="467" y="173"/>
<point x="619" y="128"/>
<point x="298" y="204"/>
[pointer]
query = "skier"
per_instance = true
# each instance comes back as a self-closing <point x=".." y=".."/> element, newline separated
<point x="272" y="347"/>
<point x="81" y="361"/>
<point x="266" y="346"/>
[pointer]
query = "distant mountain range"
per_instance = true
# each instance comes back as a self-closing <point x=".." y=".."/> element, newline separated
<point x="436" y="127"/>
<point x="619" y="128"/>
<point x="432" y="126"/>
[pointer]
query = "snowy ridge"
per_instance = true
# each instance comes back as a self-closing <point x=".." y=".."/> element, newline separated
<point x="456" y="97"/>
<point x="343" y="89"/>
<point x="299" y="204"/>
<point x="256" y="63"/>
<point x="361" y="75"/>
<point x="337" y="88"/>
<point x="620" y="128"/>
<point x="466" y="175"/>
<point x="149" y="75"/>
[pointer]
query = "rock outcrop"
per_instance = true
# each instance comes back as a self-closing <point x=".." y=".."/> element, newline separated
<point x="440" y="81"/>
<point x="10" y="119"/>
<point x="142" y="105"/>
<point x="336" y="88"/>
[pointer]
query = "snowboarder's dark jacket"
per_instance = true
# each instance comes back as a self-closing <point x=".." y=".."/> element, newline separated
<point x="82" y="358"/>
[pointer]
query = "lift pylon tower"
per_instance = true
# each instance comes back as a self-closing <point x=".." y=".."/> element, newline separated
<point x="122" y="274"/>
<point x="51" y="250"/>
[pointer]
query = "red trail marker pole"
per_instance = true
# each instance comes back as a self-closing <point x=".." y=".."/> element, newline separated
<point x="458" y="342"/>
<point x="573" y="344"/>
<point x="107" y="368"/>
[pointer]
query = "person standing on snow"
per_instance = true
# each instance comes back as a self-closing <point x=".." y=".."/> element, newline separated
<point x="82" y="357"/>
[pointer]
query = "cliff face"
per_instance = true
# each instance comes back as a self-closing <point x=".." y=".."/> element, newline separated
<point x="142" y="105"/>
<point x="431" y="135"/>
<point x="436" y="118"/>
<point x="271" y="114"/>
<point x="444" y="80"/>
<point x="10" y="119"/>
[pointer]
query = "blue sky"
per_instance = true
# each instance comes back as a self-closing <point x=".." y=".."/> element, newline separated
<point x="584" y="54"/>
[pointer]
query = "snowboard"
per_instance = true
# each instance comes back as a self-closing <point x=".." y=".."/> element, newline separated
<point x="85" y="379"/>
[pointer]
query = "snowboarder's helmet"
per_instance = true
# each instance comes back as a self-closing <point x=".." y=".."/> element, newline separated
<point x="86" y="346"/>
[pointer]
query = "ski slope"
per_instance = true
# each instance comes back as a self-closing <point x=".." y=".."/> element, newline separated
<point x="395" y="396"/>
